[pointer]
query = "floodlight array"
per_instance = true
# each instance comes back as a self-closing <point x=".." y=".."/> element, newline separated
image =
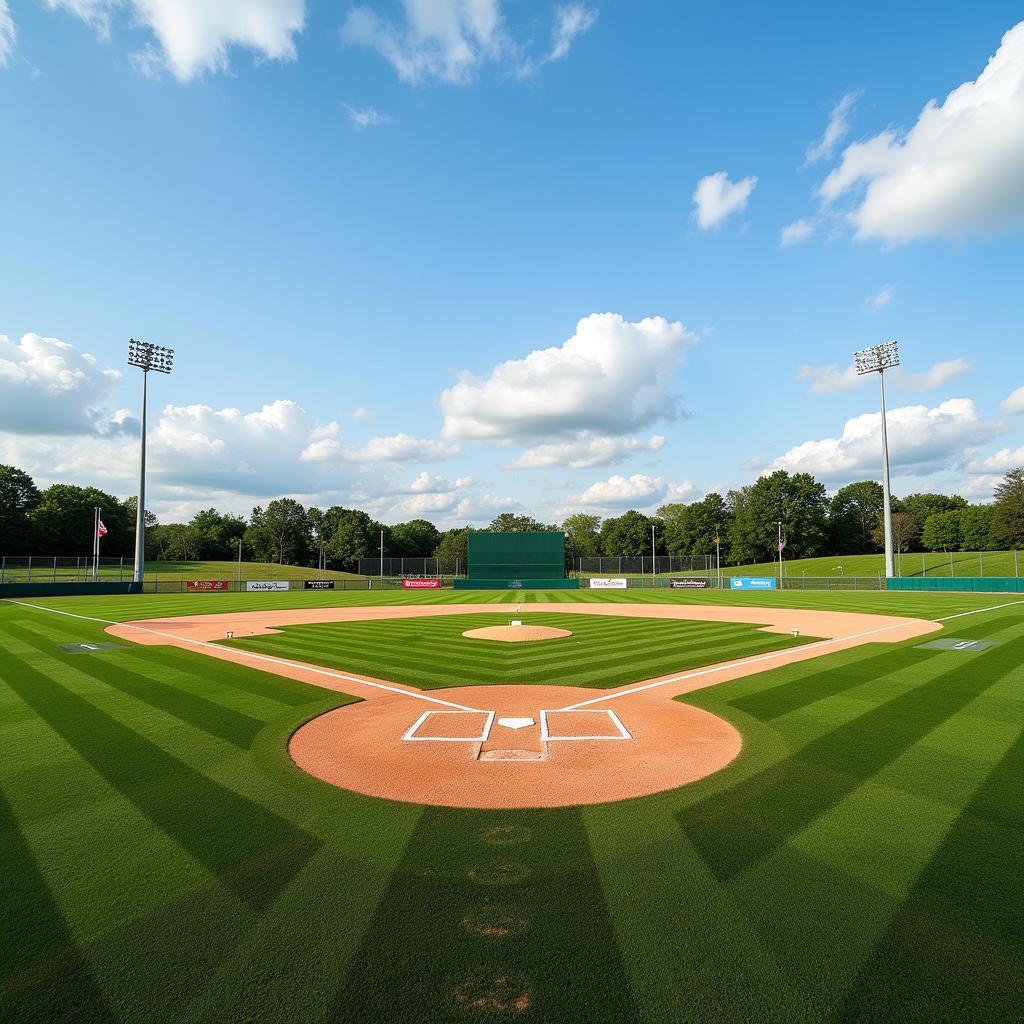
<point x="877" y="358"/>
<point x="147" y="356"/>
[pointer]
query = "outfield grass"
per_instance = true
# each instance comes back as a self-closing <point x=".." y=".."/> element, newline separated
<point x="14" y="572"/>
<point x="163" y="860"/>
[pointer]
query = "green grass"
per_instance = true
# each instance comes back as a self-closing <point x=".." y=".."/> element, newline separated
<point x="163" y="860"/>
<point x="602" y="652"/>
<point x="929" y="563"/>
<point x="42" y="571"/>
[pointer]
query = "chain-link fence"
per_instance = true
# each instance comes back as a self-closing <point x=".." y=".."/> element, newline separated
<point x="424" y="568"/>
<point x="641" y="565"/>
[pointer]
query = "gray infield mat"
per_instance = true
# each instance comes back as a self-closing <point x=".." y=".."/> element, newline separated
<point x="91" y="648"/>
<point x="951" y="643"/>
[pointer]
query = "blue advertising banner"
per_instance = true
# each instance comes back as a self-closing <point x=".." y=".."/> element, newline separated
<point x="751" y="582"/>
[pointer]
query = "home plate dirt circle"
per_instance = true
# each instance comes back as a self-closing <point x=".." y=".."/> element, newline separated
<point x="517" y="634"/>
<point x="522" y="748"/>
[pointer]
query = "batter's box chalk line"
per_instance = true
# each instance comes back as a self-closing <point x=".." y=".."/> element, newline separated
<point x="621" y="732"/>
<point x="412" y="737"/>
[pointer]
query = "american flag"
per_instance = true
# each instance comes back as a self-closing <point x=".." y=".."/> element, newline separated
<point x="782" y="545"/>
<point x="101" y="530"/>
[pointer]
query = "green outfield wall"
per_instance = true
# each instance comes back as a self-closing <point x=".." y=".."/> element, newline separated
<point x="475" y="583"/>
<point x="516" y="556"/>
<point x="976" y="584"/>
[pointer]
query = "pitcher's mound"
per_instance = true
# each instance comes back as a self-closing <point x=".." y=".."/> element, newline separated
<point x="517" y="634"/>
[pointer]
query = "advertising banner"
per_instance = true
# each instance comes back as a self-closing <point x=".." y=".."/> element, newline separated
<point x="206" y="584"/>
<point x="689" y="583"/>
<point x="267" y="585"/>
<point x="608" y="583"/>
<point x="421" y="584"/>
<point x="751" y="582"/>
<point x="318" y="584"/>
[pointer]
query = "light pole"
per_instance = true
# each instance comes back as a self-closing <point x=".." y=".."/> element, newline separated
<point x="654" y="566"/>
<point x="878" y="359"/>
<point x="718" y="557"/>
<point x="146" y="357"/>
<point x="782" y="544"/>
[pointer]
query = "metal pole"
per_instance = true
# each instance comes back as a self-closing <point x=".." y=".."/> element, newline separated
<point x="140" y="512"/>
<point x="382" y="559"/>
<point x="1015" y="572"/>
<point x="96" y="512"/>
<point x="780" y="553"/>
<point x="951" y="565"/>
<point x="239" y="561"/>
<point x="886" y="496"/>
<point x="654" y="566"/>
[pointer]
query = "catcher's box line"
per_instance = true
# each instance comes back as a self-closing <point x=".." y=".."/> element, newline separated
<point x="411" y="737"/>
<point x="545" y="733"/>
<point x="266" y="658"/>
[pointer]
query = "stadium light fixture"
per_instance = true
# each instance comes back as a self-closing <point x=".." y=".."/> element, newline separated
<point x="146" y="356"/>
<point x="878" y="359"/>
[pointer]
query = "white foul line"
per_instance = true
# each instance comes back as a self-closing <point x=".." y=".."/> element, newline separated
<point x="415" y="694"/>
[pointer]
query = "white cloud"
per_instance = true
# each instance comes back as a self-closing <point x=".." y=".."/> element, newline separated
<point x="935" y="376"/>
<point x="620" y="491"/>
<point x="921" y="439"/>
<point x="685" y="490"/>
<point x="427" y="483"/>
<point x="1013" y="404"/>
<point x="366" y="117"/>
<point x="363" y="414"/>
<point x="445" y="39"/>
<point x="956" y="172"/>
<point x="195" y="35"/>
<point x="795" y="233"/>
<point x="48" y="387"/>
<point x="827" y="380"/>
<point x="881" y="298"/>
<point x="570" y="21"/>
<point x="835" y="131"/>
<point x="716" y="198"/>
<point x="586" y="451"/>
<point x="612" y="377"/>
<point x="1000" y="463"/>
<point x="8" y="33"/>
<point x="326" y="446"/>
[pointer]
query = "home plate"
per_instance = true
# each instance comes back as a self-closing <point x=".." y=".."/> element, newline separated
<point x="515" y="723"/>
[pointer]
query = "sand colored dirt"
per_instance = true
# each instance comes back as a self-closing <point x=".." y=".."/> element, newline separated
<point x="517" y="634"/>
<point x="367" y="747"/>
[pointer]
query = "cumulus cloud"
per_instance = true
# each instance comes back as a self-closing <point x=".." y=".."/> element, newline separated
<point x="921" y="440"/>
<point x="327" y="446"/>
<point x="934" y="377"/>
<point x="1013" y="404"/>
<point x="195" y="36"/>
<point x="7" y="33"/>
<point x="795" y="233"/>
<point x="363" y="414"/>
<point x="612" y="378"/>
<point x="881" y="298"/>
<point x="1000" y="463"/>
<point x="716" y="198"/>
<point x="365" y="117"/>
<point x="570" y="21"/>
<point x="956" y="172"/>
<point x="829" y="380"/>
<point x="836" y="130"/>
<point x="586" y="451"/>
<point x="621" y="491"/>
<point x="48" y="387"/>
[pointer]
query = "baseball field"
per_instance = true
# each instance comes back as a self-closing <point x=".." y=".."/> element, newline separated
<point x="633" y="807"/>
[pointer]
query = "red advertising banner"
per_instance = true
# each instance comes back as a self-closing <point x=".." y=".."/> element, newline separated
<point x="421" y="584"/>
<point x="206" y="584"/>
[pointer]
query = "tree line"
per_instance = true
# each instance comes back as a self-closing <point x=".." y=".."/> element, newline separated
<point x="58" y="521"/>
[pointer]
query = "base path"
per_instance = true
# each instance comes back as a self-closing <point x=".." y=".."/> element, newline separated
<point x="518" y="745"/>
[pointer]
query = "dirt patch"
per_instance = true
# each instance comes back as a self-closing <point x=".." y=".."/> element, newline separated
<point x="499" y="872"/>
<point x="499" y="993"/>
<point x="517" y="634"/>
<point x="506" y="835"/>
<point x="493" y="921"/>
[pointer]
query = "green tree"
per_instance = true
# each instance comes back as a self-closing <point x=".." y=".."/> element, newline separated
<point x="976" y="533"/>
<point x="509" y="522"/>
<point x="1008" y="510"/>
<point x="180" y="542"/>
<point x="921" y="506"/>
<point x="353" y="535"/>
<point x="18" y="497"/>
<point x="798" y="501"/>
<point x="217" y="534"/>
<point x="582" y="535"/>
<point x="63" y="522"/>
<point x="941" y="531"/>
<point x="414" y="539"/>
<point x="691" y="530"/>
<point x="279" y="533"/>
<point x="626" y="535"/>
<point x="853" y="514"/>
<point x="452" y="550"/>
<point x="906" y="532"/>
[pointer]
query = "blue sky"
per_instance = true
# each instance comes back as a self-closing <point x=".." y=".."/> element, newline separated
<point x="370" y="232"/>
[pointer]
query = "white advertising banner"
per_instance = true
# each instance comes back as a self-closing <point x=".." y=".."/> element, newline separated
<point x="266" y="585"/>
<point x="607" y="583"/>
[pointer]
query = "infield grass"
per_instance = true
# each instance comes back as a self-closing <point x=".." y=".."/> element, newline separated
<point x="164" y="861"/>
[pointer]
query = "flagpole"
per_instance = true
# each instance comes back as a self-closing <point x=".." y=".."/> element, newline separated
<point x="96" y="513"/>
<point x="780" y="554"/>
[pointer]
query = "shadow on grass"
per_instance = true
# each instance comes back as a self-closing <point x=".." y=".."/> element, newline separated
<point x="955" y="949"/>
<point x="42" y="975"/>
<point x="491" y="915"/>
<point x="251" y="850"/>
<point x="735" y="829"/>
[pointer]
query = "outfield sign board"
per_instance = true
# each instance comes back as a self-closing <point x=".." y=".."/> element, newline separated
<point x="206" y="584"/>
<point x="266" y="585"/>
<point x="751" y="582"/>
<point x="689" y="583"/>
<point x="608" y="583"/>
<point x="318" y="584"/>
<point x="421" y="584"/>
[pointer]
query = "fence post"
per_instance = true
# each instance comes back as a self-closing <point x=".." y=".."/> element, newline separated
<point x="29" y="568"/>
<point x="1015" y="573"/>
<point x="981" y="564"/>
